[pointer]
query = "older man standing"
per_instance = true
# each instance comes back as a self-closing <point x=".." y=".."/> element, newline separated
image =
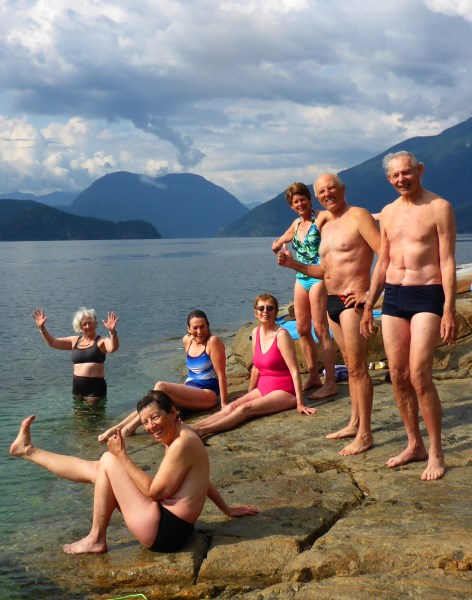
<point x="417" y="267"/>
<point x="348" y="241"/>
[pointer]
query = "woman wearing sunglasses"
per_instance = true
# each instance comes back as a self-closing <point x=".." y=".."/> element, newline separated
<point x="206" y="378"/>
<point x="275" y="383"/>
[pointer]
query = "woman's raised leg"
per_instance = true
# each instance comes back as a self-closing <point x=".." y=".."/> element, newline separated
<point x="68" y="467"/>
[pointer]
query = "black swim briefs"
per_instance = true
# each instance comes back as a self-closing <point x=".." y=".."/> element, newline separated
<point x="173" y="532"/>
<point x="336" y="306"/>
<point x="406" y="301"/>
<point x="89" y="387"/>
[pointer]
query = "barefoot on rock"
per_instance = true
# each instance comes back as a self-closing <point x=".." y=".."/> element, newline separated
<point x="312" y="382"/>
<point x="326" y="391"/>
<point x="22" y="446"/>
<point x="359" y="445"/>
<point x="349" y="431"/>
<point x="407" y="456"/>
<point x="435" y="470"/>
<point x="86" y="545"/>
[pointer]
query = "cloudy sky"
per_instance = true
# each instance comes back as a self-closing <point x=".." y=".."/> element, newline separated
<point x="251" y="94"/>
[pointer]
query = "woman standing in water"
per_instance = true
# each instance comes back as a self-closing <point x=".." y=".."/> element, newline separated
<point x="206" y="379"/>
<point x="88" y="351"/>
<point x="310" y="296"/>
<point x="275" y="383"/>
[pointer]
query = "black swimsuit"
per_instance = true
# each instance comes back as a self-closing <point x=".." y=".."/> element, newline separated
<point x="88" y="387"/>
<point x="406" y="301"/>
<point x="336" y="306"/>
<point x="173" y="532"/>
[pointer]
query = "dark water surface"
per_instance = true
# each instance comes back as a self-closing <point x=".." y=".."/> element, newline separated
<point x="152" y="285"/>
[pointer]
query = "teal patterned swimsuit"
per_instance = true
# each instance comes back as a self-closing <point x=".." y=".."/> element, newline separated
<point x="307" y="251"/>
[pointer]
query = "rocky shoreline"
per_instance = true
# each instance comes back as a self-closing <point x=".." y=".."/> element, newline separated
<point x="329" y="527"/>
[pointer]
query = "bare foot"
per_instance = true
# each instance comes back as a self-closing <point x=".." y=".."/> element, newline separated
<point x="349" y="431"/>
<point x="103" y="437"/>
<point x="407" y="456"/>
<point x="313" y="381"/>
<point x="435" y="469"/>
<point x="86" y="545"/>
<point x="325" y="391"/>
<point x="22" y="446"/>
<point x="360" y="444"/>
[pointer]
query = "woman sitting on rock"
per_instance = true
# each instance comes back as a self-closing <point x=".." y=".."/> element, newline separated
<point x="206" y="379"/>
<point x="275" y="383"/>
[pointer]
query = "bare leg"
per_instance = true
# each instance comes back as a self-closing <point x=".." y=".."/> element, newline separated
<point x="360" y="383"/>
<point x="307" y="343"/>
<point x="352" y="427"/>
<point x="424" y="335"/>
<point x="68" y="467"/>
<point x="115" y="488"/>
<point x="318" y="301"/>
<point x="249" y="406"/>
<point x="396" y="335"/>
<point x="126" y="426"/>
<point x="186" y="396"/>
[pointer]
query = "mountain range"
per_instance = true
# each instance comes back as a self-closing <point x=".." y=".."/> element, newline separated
<point x="26" y="220"/>
<point x="178" y="205"/>
<point x="188" y="206"/>
<point x="448" y="172"/>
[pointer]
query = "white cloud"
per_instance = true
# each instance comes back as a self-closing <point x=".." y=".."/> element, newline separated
<point x="250" y="94"/>
<point x="453" y="8"/>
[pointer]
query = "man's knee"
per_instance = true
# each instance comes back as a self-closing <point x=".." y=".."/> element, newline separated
<point x="400" y="377"/>
<point x="421" y="380"/>
<point x="304" y="330"/>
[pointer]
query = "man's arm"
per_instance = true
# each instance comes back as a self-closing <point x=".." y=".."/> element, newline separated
<point x="369" y="230"/>
<point x="377" y="284"/>
<point x="446" y="228"/>
<point x="232" y="511"/>
<point x="285" y="259"/>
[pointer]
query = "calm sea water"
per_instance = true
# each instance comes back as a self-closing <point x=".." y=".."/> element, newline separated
<point x="152" y="285"/>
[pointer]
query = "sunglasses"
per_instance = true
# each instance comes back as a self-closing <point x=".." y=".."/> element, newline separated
<point x="263" y="308"/>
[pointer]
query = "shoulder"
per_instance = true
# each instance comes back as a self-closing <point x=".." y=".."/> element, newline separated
<point x="442" y="210"/>
<point x="359" y="212"/>
<point x="214" y="340"/>
<point x="187" y="441"/>
<point x="284" y="336"/>
<point x="321" y="217"/>
<point x="186" y="340"/>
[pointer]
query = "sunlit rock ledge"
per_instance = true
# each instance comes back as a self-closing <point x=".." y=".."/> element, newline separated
<point x="329" y="528"/>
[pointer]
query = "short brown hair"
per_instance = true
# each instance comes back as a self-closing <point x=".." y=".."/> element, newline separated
<point x="297" y="188"/>
<point x="265" y="297"/>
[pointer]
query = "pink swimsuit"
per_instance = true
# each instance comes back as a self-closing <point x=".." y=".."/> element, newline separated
<point x="273" y="371"/>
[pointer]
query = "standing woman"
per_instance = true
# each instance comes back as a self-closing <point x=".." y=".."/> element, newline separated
<point x="88" y="351"/>
<point x="275" y="383"/>
<point x="206" y="378"/>
<point x="310" y="296"/>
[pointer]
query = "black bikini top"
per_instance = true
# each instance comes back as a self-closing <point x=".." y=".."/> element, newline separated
<point x="92" y="354"/>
